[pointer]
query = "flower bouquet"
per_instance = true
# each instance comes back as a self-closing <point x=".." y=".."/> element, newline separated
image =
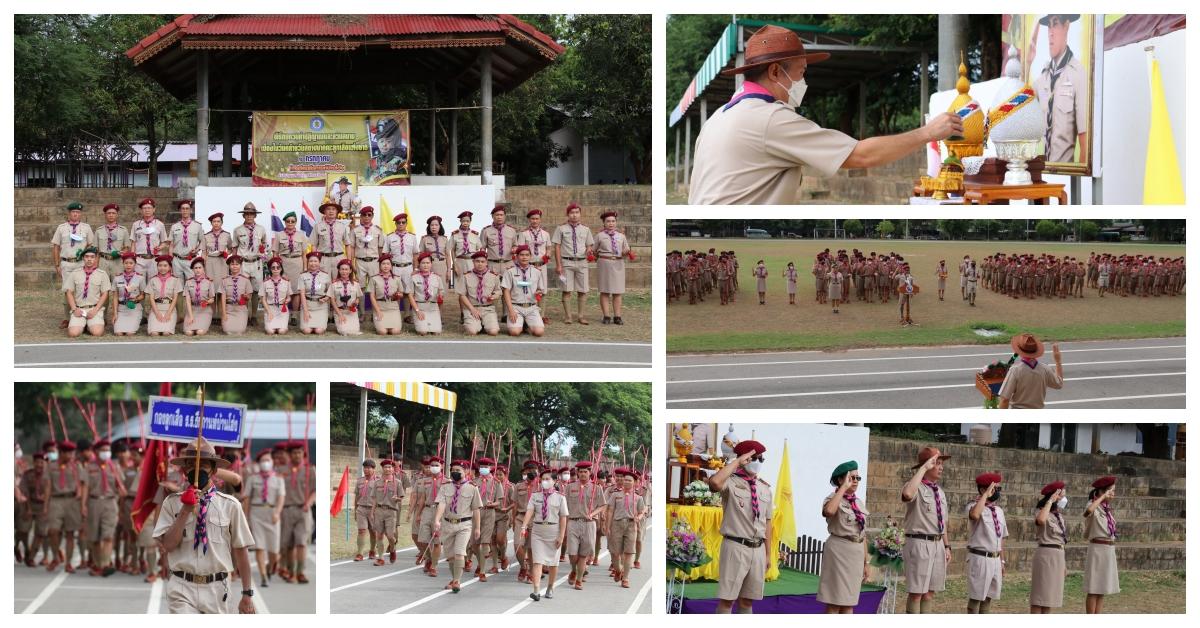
<point x="989" y="380"/>
<point x="887" y="548"/>
<point x="697" y="493"/>
<point x="685" y="552"/>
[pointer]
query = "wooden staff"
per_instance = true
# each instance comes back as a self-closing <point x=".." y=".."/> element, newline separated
<point x="199" y="434"/>
<point x="50" y="420"/>
<point x="141" y="419"/>
<point x="109" y="435"/>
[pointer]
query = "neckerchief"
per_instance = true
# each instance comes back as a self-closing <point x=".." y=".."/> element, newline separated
<point x="995" y="519"/>
<point x="62" y="477"/>
<point x="479" y="286"/>
<point x="362" y="492"/>
<point x="861" y="520"/>
<point x="403" y="235"/>
<point x="546" y="503"/>
<point x="149" y="247"/>
<point x="1031" y="363"/>
<point x="1062" y="525"/>
<point x="202" y="519"/>
<point x="1055" y="72"/>
<point x="466" y="243"/>
<point x="387" y="285"/>
<point x="437" y="244"/>
<point x="103" y="477"/>
<point x="128" y="278"/>
<point x="937" y="500"/>
<point x="162" y="284"/>
<point x="330" y="224"/>
<point x="275" y="284"/>
<point x="753" y="482"/>
<point x="235" y="288"/>
<point x="199" y="283"/>
<point x="87" y="280"/>
<point x="574" y="241"/>
<point x="524" y="278"/>
<point x="251" y="230"/>
<point x="752" y="91"/>
<point x="266" y="478"/>
<point x="186" y="224"/>
<point x="216" y="234"/>
<point x="499" y="228"/>
<point x="630" y="497"/>
<point x="454" y="500"/>
<point x="108" y="229"/>
<point x="291" y="237"/>
<point x="490" y="485"/>
<point x="612" y="241"/>
<point x="533" y="235"/>
<point x="312" y="288"/>
<point x="346" y="288"/>
<point x="425" y="284"/>
<point x="1112" y="524"/>
<point x="587" y="507"/>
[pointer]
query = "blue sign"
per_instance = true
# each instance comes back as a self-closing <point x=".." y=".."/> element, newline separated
<point x="177" y="419"/>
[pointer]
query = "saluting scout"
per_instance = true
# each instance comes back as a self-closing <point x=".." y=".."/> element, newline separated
<point x="456" y="519"/>
<point x="1100" y="530"/>
<point x="985" y="545"/>
<point x="364" y="506"/>
<point x="586" y="501"/>
<point x="250" y="245"/>
<point x="205" y="535"/>
<point x="69" y="240"/>
<point x="263" y="495"/>
<point x="498" y="240"/>
<point x="332" y="238"/>
<point x="388" y="495"/>
<point x="926" y="549"/>
<point x="478" y="291"/>
<point x="844" y="559"/>
<point x="747" y="509"/>
<point x="524" y="287"/>
<point x="186" y="240"/>
<point x="1026" y="382"/>
<point x="86" y="290"/>
<point x="573" y="249"/>
<point x="544" y="525"/>
<point x="612" y="247"/>
<point x="113" y="240"/>
<point x="1050" y="558"/>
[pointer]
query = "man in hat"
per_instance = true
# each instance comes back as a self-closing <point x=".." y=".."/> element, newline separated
<point x="985" y="544"/>
<point x="478" y="292"/>
<point x="186" y="240"/>
<point x="1062" y="91"/>
<point x="388" y="495"/>
<point x="392" y="158"/>
<point x="205" y="535"/>
<point x="99" y="506"/>
<point x="64" y="516"/>
<point x="112" y="239"/>
<point x="332" y="238"/>
<point x="86" y="291"/>
<point x="752" y="149"/>
<point x="574" y="247"/>
<point x="926" y="549"/>
<point x="586" y="502"/>
<point x="1026" y="382"/>
<point x="70" y="238"/>
<point x="499" y="240"/>
<point x="747" y="509"/>
<point x="429" y="545"/>
<point x="524" y="287"/>
<point x="250" y="242"/>
<point x="368" y="246"/>
<point x="347" y="201"/>
<point x="301" y="492"/>
<point x="364" y="507"/>
<point x="457" y="515"/>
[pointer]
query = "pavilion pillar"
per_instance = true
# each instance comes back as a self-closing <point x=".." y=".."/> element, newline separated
<point x="226" y="128"/>
<point x="586" y="175"/>
<point x="676" y="182"/>
<point x="687" y="149"/>
<point x="485" y="122"/>
<point x="952" y="42"/>
<point x="244" y="125"/>
<point x="703" y="111"/>
<point x="432" y="95"/>
<point x="924" y="86"/>
<point x="453" y="157"/>
<point x="862" y="110"/>
<point x="202" y="118"/>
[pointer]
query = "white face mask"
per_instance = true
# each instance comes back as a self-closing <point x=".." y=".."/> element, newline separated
<point x="547" y="484"/>
<point x="51" y="456"/>
<point x="484" y="471"/>
<point x="754" y="466"/>
<point x="266" y="465"/>
<point x="1062" y="504"/>
<point x="19" y="454"/>
<point x="435" y="469"/>
<point x="566" y="477"/>
<point x="796" y="91"/>
<point x="105" y="455"/>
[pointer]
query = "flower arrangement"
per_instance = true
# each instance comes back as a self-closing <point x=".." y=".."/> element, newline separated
<point x="887" y="548"/>
<point x="999" y="368"/>
<point x="697" y="492"/>
<point x="685" y="550"/>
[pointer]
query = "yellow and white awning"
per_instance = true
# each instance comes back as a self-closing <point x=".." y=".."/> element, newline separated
<point x="416" y="392"/>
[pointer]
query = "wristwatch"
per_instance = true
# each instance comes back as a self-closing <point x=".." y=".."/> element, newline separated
<point x="248" y="592"/>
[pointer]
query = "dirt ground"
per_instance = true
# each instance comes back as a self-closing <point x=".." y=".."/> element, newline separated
<point x="1141" y="592"/>
<point x="746" y="325"/>
<point x="38" y="312"/>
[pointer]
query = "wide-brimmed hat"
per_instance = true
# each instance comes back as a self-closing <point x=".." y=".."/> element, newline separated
<point x="1028" y="346"/>
<point x="929" y="452"/>
<point x="206" y="452"/>
<point x="1070" y="17"/>
<point x="772" y="44"/>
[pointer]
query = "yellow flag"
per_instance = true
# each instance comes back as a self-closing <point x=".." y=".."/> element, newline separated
<point x="386" y="223"/>
<point x="1162" y="184"/>
<point x="783" y="522"/>
<point x="409" y="223"/>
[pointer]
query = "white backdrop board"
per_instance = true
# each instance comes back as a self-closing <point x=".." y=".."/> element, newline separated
<point x="814" y="451"/>
<point x="446" y="201"/>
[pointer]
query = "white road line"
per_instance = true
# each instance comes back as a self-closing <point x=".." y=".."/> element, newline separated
<point x="898" y="389"/>
<point x="347" y="562"/>
<point x="1098" y="399"/>
<point x="998" y="351"/>
<point x="156" y="593"/>
<point x="87" y="587"/>
<point x="381" y="577"/>
<point x="850" y="374"/>
<point x="557" y="583"/>
<point x="428" y="598"/>
<point x="438" y="342"/>
<point x="641" y="596"/>
<point x="307" y="360"/>
<point x="45" y="594"/>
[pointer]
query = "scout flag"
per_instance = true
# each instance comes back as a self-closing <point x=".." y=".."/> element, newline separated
<point x="783" y="523"/>
<point x="339" y="498"/>
<point x="1162" y="184"/>
<point x="154" y="468"/>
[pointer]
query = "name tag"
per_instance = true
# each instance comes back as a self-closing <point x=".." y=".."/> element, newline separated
<point x="368" y="238"/>
<point x="524" y="284"/>
<point x="76" y="237"/>
<point x="148" y="230"/>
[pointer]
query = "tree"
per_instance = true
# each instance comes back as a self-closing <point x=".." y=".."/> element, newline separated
<point x="1088" y="230"/>
<point x="1047" y="229"/>
<point x="953" y="229"/>
<point x="853" y="226"/>
<point x="886" y="228"/>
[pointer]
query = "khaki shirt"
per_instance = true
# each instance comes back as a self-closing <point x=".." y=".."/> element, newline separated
<point x="982" y="534"/>
<point x="65" y="479"/>
<point x="186" y="239"/>
<point x="364" y="491"/>
<point x="920" y="514"/>
<point x="385" y="288"/>
<point x="556" y="506"/>
<point x="402" y="245"/>
<point x="368" y="241"/>
<point x="627" y="505"/>
<point x="147" y="237"/>
<point x="1026" y="388"/>
<point x="387" y="493"/>
<point x="573" y="241"/>
<point x="158" y="288"/>
<point x="584" y="499"/>
<point x="345" y="293"/>
<point x="521" y="492"/>
<point x="752" y="153"/>
<point x="491" y="490"/>
<point x="843" y="523"/>
<point x="70" y="246"/>
<point x="252" y="488"/>
<point x="1069" y="117"/>
<point x="112" y="238"/>
<point x="217" y="243"/>
<point x="524" y="294"/>
<point x="468" y="499"/>
<point x="480" y="290"/>
<point x="1055" y="530"/>
<point x="234" y="286"/>
<point x="311" y="285"/>
<point x="227" y="530"/>
<point x="425" y="289"/>
<point x="103" y="479"/>
<point x="537" y="241"/>
<point x="332" y="238"/>
<point x="612" y="244"/>
<point x="197" y="290"/>
<point x="438" y="245"/>
<point x="1095" y="526"/>
<point x="463" y="244"/>
<point x="738" y="519"/>
<point x="300" y="483"/>
<point x="290" y="245"/>
<point x="35" y="486"/>
<point x="87" y="289"/>
<point x="250" y="242"/>
<point x="499" y="241"/>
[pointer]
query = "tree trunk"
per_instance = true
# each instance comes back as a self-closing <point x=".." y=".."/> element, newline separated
<point x="1155" y="443"/>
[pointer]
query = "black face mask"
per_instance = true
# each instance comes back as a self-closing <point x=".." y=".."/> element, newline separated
<point x="203" y="481"/>
<point x="456" y="476"/>
<point x="995" y="495"/>
<point x="530" y="476"/>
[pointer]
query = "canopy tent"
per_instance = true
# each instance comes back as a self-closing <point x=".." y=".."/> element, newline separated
<point x="415" y="392"/>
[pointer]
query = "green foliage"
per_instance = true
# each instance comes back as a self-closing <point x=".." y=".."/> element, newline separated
<point x="954" y="229"/>
<point x="885" y="228"/>
<point x="1048" y="229"/>
<point x="1088" y="230"/>
<point x="853" y="226"/>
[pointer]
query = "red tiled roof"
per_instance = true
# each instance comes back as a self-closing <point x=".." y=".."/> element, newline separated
<point x="320" y="25"/>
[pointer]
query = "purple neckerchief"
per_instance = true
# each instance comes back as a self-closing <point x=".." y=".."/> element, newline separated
<point x="546" y="503"/>
<point x="937" y="500"/>
<point x="858" y="516"/>
<point x="201" y="519"/>
<point x="753" y="490"/>
<point x="750" y="90"/>
<point x="1031" y="363"/>
<point x="995" y="519"/>
<point x="1112" y="524"/>
<point x="454" y="500"/>
<point x="479" y="285"/>
<point x="1062" y="524"/>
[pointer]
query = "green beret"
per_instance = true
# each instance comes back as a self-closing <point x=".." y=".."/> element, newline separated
<point x="74" y="205"/>
<point x="289" y="215"/>
<point x="843" y="469"/>
<point x="81" y="252"/>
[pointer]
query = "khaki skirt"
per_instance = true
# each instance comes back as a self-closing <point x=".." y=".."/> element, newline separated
<point x="318" y="315"/>
<point x="841" y="572"/>
<point x="433" y="319"/>
<point x="235" y="320"/>
<point x="1049" y="571"/>
<point x="276" y="321"/>
<point x="201" y="319"/>
<point x="154" y="325"/>
<point x="543" y="543"/>
<point x="262" y="527"/>
<point x="128" y="320"/>
<point x="349" y="327"/>
<point x="610" y="275"/>
<point x="389" y="318"/>
<point x="1100" y="570"/>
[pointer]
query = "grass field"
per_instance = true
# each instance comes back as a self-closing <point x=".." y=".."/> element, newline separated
<point x="343" y="540"/>
<point x="1141" y="592"/>
<point x="747" y="326"/>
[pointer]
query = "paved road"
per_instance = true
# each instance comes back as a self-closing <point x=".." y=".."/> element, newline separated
<point x="298" y="352"/>
<point x="360" y="587"/>
<point x="38" y="591"/>
<point x="1143" y="373"/>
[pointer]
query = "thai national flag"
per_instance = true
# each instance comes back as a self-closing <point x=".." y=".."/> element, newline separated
<point x="307" y="219"/>
<point x="276" y="223"/>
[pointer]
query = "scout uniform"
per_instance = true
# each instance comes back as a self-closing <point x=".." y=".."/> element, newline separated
<point x="331" y="238"/>
<point x="1049" y="559"/>
<point x="612" y="248"/>
<point x="112" y="239"/>
<point x="426" y="291"/>
<point x="402" y="246"/>
<point x="368" y="245"/>
<point x="438" y="247"/>
<point x="548" y="508"/>
<point x="147" y="237"/>
<point x="575" y="244"/>
<point x="491" y="493"/>
<point x="1100" y="530"/>
<point x="297" y="521"/>
<point x="387" y="495"/>
<point x="236" y="290"/>
<point x="538" y="242"/>
<point x="89" y="288"/>
<point x="313" y="286"/>
<point x="387" y="291"/>
<point x="250" y="243"/>
<point x="71" y="239"/>
<point x="160" y="290"/>
<point x="187" y="241"/>
<point x="461" y="500"/>
<point x="276" y="293"/>
<point x="35" y="486"/>
<point x="843" y="554"/>
<point x="202" y="294"/>
<point x="429" y="487"/>
<point x="347" y="294"/>
<point x="290" y="247"/>
<point x="201" y="563"/>
<point x="264" y="492"/>
<point x="985" y="540"/>
<point x="524" y="286"/>
<point x="218" y="245"/>
<point x="482" y="290"/>
<point x="1062" y="91"/>
<point x="464" y="243"/>
<point x="748" y="508"/>
<point x="364" y="505"/>
<point x="104" y="482"/>
<point x="1026" y="382"/>
<point x="66" y="485"/>
<point x="499" y="242"/>
<point x="345" y="199"/>
<point x="925" y="531"/>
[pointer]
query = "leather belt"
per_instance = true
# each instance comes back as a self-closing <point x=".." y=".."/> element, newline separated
<point x="1102" y="541"/>
<point x="144" y="256"/>
<point x="524" y="304"/>
<point x="291" y="256"/>
<point x="250" y="259"/>
<point x="193" y="578"/>
<point x="979" y="552"/>
<point x="852" y="539"/>
<point x="402" y="264"/>
<point x="333" y="254"/>
<point x="575" y="259"/>
<point x="608" y="257"/>
<point x="747" y="542"/>
<point x="178" y="256"/>
<point x="926" y="537"/>
<point x="68" y="259"/>
<point x="497" y="260"/>
<point x="311" y="298"/>
<point x="545" y="523"/>
<point x="1058" y="547"/>
<point x="458" y="520"/>
<point x="367" y="259"/>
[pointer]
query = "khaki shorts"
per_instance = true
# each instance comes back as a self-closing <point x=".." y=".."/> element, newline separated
<point x="425" y="531"/>
<point x="924" y="565"/>
<point x="101" y="518"/>
<point x="65" y="514"/>
<point x="297" y="526"/>
<point x="573" y="276"/>
<point x="362" y="517"/>
<point x="385" y="521"/>
<point x="488" y="322"/>
<point x="581" y="537"/>
<point x="530" y="315"/>
<point x="622" y="537"/>
<point x="455" y="537"/>
<point x="79" y="321"/>
<point x="189" y="598"/>
<point x="743" y="571"/>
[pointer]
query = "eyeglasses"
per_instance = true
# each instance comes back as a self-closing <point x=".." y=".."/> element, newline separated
<point x="856" y="478"/>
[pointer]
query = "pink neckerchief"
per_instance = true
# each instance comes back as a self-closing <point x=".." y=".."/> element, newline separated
<point x="128" y="278"/>
<point x="995" y="519"/>
<point x="629" y="497"/>
<point x="291" y="237"/>
<point x="753" y="482"/>
<point x="1030" y="362"/>
<point x="425" y="283"/>
<point x="479" y="286"/>
<point x="87" y="280"/>
<point x="199" y="284"/>
<point x="366" y="485"/>
<point x="588" y="508"/>
<point x="162" y="284"/>
<point x="861" y="520"/>
<point x="1112" y="524"/>
<point x="266" y="477"/>
<point x="186" y="223"/>
<point x="103" y="466"/>
<point x="612" y="240"/>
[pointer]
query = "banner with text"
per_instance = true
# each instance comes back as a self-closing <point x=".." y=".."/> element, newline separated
<point x="177" y="419"/>
<point x="302" y="148"/>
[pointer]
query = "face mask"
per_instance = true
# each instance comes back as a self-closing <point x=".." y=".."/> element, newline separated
<point x="530" y="476"/>
<point x="106" y="456"/>
<point x="19" y="453"/>
<point x="266" y="465"/>
<point x="456" y="475"/>
<point x="547" y="484"/>
<point x="484" y="471"/>
<point x="203" y="482"/>
<point x="52" y="456"/>
<point x="1062" y="504"/>
<point x="754" y="466"/>
<point x="995" y="495"/>
<point x="435" y="469"/>
<point x="796" y="91"/>
<point x="566" y="477"/>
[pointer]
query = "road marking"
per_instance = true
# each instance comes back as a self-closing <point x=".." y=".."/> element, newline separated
<point x="156" y="592"/>
<point x="438" y="342"/>
<point x="641" y="596"/>
<point x="898" y="389"/>
<point x="431" y="597"/>
<point x="557" y="583"/>
<point x="88" y="587"/>
<point x="1099" y="399"/>
<point x="347" y="562"/>
<point x="968" y="368"/>
<point x="45" y="594"/>
<point x="904" y="357"/>
<point x="373" y="579"/>
<point x="201" y="362"/>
